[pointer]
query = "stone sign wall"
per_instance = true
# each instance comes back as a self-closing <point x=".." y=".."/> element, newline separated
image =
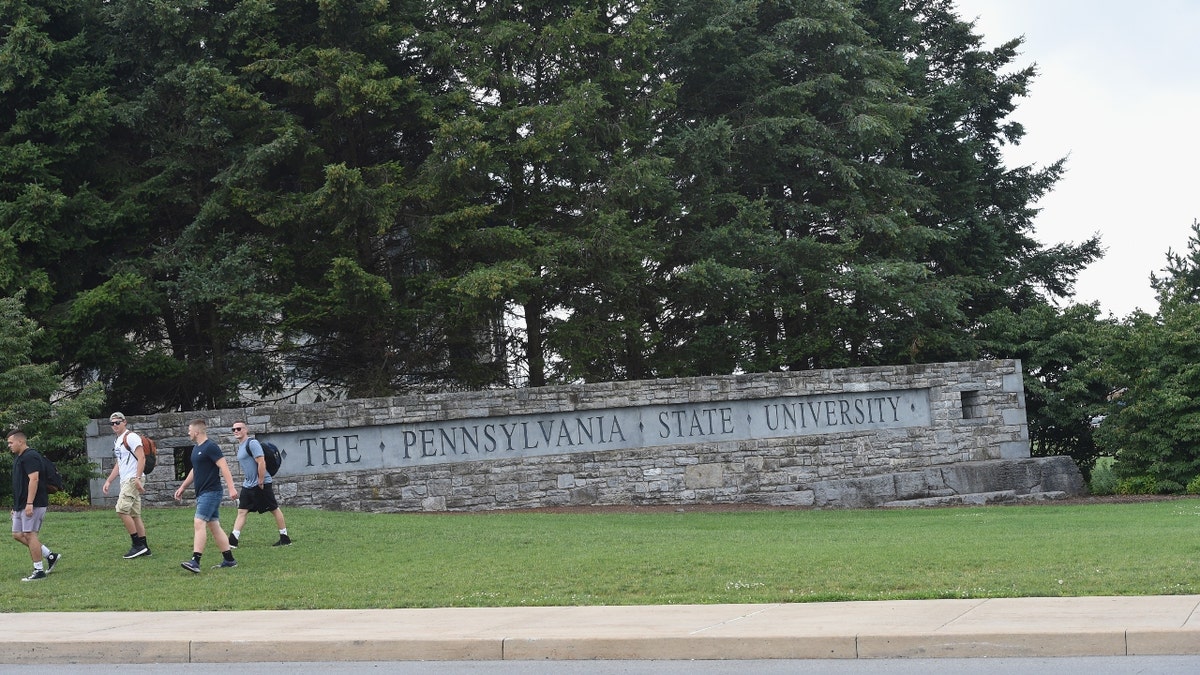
<point x="854" y="437"/>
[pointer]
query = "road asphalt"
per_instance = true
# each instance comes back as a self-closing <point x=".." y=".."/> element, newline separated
<point x="998" y="627"/>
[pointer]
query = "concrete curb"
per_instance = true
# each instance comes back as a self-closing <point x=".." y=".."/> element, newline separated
<point x="1003" y="627"/>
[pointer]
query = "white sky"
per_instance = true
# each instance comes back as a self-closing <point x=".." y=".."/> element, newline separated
<point x="1118" y="91"/>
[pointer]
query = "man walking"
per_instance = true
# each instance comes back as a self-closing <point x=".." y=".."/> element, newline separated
<point x="258" y="495"/>
<point x="30" y="502"/>
<point x="208" y="469"/>
<point x="130" y="464"/>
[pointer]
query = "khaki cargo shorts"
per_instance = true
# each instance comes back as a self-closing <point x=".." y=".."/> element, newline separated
<point x="129" y="502"/>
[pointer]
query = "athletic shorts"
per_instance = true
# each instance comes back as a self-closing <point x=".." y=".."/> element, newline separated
<point x="208" y="505"/>
<point x="259" y="499"/>
<point x="23" y="523"/>
<point x="129" y="502"/>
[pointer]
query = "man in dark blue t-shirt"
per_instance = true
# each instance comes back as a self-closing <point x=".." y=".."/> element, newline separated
<point x="208" y="469"/>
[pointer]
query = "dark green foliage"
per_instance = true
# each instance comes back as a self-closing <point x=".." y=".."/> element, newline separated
<point x="332" y="189"/>
<point x="32" y="400"/>
<point x="977" y="212"/>
<point x="1103" y="481"/>
<point x="1193" y="487"/>
<point x="547" y="187"/>
<point x="869" y="218"/>
<point x="1154" y="423"/>
<point x="789" y="249"/>
<point x="1138" y="485"/>
<point x="55" y="115"/>
<point x="209" y="202"/>
<point x="1067" y="379"/>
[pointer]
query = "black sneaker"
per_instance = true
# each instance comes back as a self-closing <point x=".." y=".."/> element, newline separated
<point x="137" y="550"/>
<point x="191" y="566"/>
<point x="37" y="575"/>
<point x="284" y="540"/>
<point x="225" y="563"/>
<point x="232" y="540"/>
<point x="51" y="561"/>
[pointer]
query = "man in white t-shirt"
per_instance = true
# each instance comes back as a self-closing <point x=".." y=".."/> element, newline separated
<point x="130" y="463"/>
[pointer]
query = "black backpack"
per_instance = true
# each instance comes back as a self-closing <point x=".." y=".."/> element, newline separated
<point x="49" y="474"/>
<point x="272" y="455"/>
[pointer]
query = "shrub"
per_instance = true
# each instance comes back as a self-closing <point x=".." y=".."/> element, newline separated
<point x="1137" y="485"/>
<point x="65" y="499"/>
<point x="1193" y="486"/>
<point x="1168" y="487"/>
<point x="1104" y="481"/>
<point x="76" y="473"/>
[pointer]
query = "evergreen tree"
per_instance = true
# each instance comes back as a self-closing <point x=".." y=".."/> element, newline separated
<point x="548" y="183"/>
<point x="977" y="213"/>
<point x="796" y="238"/>
<point x="264" y="157"/>
<point x="32" y="399"/>
<point x="1153" y="425"/>
<point x="177" y="320"/>
<point x="333" y="189"/>
<point x="844" y="196"/>
<point x="1063" y="354"/>
<point x="55" y="116"/>
<point x="209" y="196"/>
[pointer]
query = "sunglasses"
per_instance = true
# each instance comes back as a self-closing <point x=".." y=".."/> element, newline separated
<point x="239" y="428"/>
<point x="116" y="423"/>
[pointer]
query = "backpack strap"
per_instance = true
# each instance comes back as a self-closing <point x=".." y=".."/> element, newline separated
<point x="125" y="442"/>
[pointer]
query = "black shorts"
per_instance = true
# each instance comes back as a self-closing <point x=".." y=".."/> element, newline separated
<point x="259" y="499"/>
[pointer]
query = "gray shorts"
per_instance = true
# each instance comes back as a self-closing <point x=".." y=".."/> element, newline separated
<point x="23" y="523"/>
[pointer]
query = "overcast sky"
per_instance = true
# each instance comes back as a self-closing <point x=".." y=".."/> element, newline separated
<point x="1118" y="93"/>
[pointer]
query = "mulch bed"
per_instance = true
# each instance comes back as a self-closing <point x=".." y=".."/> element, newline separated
<point x="733" y="508"/>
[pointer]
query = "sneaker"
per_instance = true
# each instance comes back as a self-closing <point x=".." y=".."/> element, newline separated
<point x="137" y="550"/>
<point x="191" y="566"/>
<point x="51" y="561"/>
<point x="232" y="540"/>
<point x="284" y="540"/>
<point x="225" y="563"/>
<point x="36" y="576"/>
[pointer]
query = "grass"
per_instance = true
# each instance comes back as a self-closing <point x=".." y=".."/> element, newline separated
<point x="352" y="560"/>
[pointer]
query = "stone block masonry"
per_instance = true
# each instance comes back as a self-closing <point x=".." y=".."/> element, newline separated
<point x="857" y="437"/>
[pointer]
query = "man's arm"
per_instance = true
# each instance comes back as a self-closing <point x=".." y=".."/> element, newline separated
<point x="186" y="482"/>
<point x="112" y="475"/>
<point x="224" y="467"/>
<point x="34" y="477"/>
<point x="140" y="455"/>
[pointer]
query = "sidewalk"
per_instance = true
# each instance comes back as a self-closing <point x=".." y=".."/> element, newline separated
<point x="1104" y="626"/>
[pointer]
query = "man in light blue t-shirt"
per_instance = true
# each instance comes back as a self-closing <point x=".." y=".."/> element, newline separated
<point x="258" y="495"/>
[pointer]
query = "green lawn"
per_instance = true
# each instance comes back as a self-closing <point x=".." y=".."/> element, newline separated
<point x="351" y="560"/>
